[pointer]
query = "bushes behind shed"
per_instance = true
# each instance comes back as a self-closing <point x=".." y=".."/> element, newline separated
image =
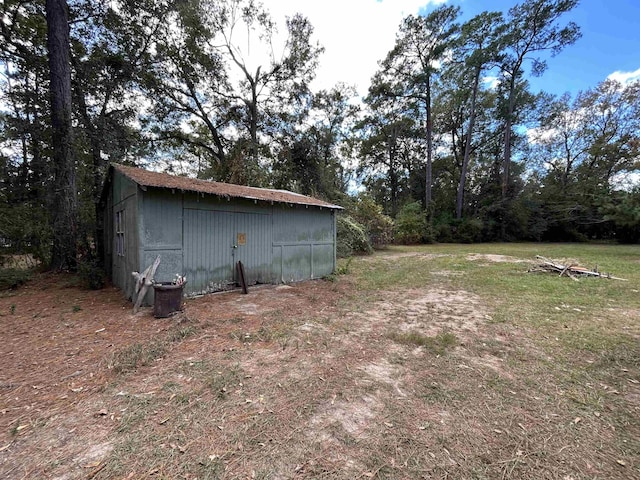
<point x="352" y="238"/>
<point x="377" y="225"/>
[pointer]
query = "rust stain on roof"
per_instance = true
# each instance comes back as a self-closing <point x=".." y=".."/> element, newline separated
<point x="147" y="178"/>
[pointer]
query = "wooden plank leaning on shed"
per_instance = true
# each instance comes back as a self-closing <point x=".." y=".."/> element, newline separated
<point x="143" y="281"/>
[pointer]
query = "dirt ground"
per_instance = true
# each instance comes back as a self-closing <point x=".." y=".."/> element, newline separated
<point x="59" y="345"/>
<point x="312" y="380"/>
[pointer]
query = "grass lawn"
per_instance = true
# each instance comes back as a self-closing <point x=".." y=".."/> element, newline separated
<point x="435" y="361"/>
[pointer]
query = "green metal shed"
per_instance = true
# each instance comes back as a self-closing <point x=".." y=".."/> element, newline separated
<point x="201" y="229"/>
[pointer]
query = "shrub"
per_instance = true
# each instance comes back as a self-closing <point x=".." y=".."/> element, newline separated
<point x="469" y="230"/>
<point x="411" y="225"/>
<point x="351" y="238"/>
<point x="378" y="226"/>
<point x="91" y="274"/>
<point x="443" y="232"/>
<point x="11" y="278"/>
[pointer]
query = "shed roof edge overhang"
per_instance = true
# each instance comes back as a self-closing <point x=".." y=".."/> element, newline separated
<point x="146" y="178"/>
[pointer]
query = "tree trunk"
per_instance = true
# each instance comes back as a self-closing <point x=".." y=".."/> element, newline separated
<point x="393" y="174"/>
<point x="467" y="147"/>
<point x="508" y="125"/>
<point x="253" y="120"/>
<point x="428" y="175"/>
<point x="65" y="204"/>
<point x="95" y="132"/>
<point x="506" y="159"/>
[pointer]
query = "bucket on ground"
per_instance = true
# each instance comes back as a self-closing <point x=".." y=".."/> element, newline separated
<point x="167" y="299"/>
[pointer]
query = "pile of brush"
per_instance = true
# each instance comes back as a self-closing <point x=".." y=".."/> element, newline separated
<point x="571" y="270"/>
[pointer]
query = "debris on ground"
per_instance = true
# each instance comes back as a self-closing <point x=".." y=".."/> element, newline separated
<point x="570" y="269"/>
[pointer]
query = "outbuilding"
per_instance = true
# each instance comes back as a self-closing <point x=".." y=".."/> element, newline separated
<point x="201" y="229"/>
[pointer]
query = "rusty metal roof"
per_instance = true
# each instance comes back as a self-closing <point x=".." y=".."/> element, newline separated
<point x="147" y="178"/>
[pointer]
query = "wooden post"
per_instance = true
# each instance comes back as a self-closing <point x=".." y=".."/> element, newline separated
<point x="241" y="277"/>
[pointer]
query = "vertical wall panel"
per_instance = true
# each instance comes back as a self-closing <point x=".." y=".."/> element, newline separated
<point x="161" y="234"/>
<point x="162" y="219"/>
<point x="125" y="200"/>
<point x="208" y="261"/>
<point x="256" y="253"/>
<point x="306" y="237"/>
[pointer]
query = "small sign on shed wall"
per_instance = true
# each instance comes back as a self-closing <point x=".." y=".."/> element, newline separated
<point x="242" y="238"/>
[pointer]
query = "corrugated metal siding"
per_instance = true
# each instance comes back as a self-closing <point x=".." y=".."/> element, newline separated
<point x="323" y="260"/>
<point x="209" y="253"/>
<point x="108" y="234"/>
<point x="123" y="188"/>
<point x="162" y="220"/>
<point x="125" y="199"/>
<point x="303" y="243"/>
<point x="195" y="236"/>
<point x="256" y="254"/>
<point x="161" y="234"/>
<point x="296" y="263"/>
<point x="207" y="250"/>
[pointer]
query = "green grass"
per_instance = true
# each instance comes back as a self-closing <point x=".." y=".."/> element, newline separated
<point x="137" y="355"/>
<point x="221" y="382"/>
<point x="537" y="300"/>
<point x="437" y="345"/>
<point x="581" y="328"/>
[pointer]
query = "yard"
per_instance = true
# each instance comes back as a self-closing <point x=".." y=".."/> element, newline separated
<point x="438" y="361"/>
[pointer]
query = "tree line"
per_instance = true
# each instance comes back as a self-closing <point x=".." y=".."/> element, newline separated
<point x="211" y="88"/>
<point x="451" y="122"/>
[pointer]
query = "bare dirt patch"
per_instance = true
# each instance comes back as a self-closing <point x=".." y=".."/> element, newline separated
<point x="494" y="258"/>
<point x="447" y="273"/>
<point x="55" y="341"/>
<point x="430" y="312"/>
<point x="395" y="255"/>
<point x="58" y="406"/>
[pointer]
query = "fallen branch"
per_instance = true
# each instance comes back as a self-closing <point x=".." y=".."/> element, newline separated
<point x="571" y="270"/>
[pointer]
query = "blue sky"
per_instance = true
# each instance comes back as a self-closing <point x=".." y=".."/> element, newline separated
<point x="357" y="34"/>
<point x="610" y="42"/>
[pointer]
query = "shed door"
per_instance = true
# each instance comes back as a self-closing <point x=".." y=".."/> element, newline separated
<point x="215" y="240"/>
<point x="254" y="239"/>
<point x="207" y="250"/>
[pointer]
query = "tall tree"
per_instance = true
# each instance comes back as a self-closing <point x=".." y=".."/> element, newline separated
<point x="480" y="45"/>
<point x="561" y="142"/>
<point x="421" y="43"/>
<point x="312" y="155"/>
<point x="533" y="28"/>
<point x="110" y="50"/>
<point x="65" y="206"/>
<point x="389" y="140"/>
<point x="186" y="84"/>
<point x="217" y="95"/>
<point x="585" y="147"/>
<point x="614" y="133"/>
<point x="24" y="95"/>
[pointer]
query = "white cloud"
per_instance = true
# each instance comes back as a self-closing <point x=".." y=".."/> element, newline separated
<point x="356" y="34"/>
<point x="491" y="81"/>
<point x="540" y="135"/>
<point x="625" y="77"/>
<point x="625" y="180"/>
